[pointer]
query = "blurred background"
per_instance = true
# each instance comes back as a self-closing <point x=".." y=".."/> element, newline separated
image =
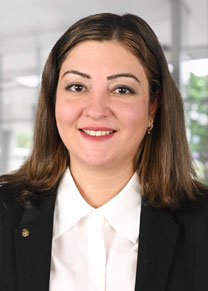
<point x="29" y="28"/>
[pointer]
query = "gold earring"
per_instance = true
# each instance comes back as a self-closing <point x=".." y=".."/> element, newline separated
<point x="149" y="128"/>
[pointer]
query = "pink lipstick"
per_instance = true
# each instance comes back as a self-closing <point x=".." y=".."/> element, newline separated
<point x="97" y="133"/>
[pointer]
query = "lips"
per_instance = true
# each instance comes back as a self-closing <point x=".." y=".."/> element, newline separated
<point x="97" y="133"/>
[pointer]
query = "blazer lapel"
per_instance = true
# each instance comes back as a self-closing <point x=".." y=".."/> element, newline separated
<point x="33" y="240"/>
<point x="157" y="238"/>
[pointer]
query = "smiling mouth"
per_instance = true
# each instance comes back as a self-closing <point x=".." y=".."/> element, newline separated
<point x="98" y="132"/>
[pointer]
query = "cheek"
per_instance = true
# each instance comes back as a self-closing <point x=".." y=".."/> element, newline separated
<point x="135" y="116"/>
<point x="65" y="113"/>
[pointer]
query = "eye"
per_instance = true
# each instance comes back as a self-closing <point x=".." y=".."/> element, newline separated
<point x="124" y="90"/>
<point x="75" y="87"/>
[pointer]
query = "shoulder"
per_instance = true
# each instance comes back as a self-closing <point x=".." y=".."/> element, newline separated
<point x="10" y="216"/>
<point x="201" y="204"/>
<point x="193" y="211"/>
<point x="8" y="200"/>
<point x="12" y="203"/>
<point x="193" y="221"/>
<point x="200" y="236"/>
<point x="201" y="213"/>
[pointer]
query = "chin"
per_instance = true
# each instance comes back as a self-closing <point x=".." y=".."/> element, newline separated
<point x="97" y="162"/>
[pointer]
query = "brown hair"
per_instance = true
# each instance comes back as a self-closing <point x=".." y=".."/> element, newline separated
<point x="164" y="163"/>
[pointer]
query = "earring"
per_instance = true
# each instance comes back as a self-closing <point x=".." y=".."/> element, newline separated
<point x="149" y="128"/>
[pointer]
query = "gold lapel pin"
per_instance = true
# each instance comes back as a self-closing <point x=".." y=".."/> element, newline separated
<point x="25" y="232"/>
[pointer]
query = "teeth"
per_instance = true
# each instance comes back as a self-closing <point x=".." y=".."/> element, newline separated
<point x="97" y="132"/>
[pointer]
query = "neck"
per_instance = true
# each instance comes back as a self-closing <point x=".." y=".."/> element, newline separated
<point x="98" y="186"/>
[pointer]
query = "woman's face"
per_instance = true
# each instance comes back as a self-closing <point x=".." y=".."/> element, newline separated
<point x="102" y="104"/>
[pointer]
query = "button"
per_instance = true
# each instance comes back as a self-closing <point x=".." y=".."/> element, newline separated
<point x="25" y="232"/>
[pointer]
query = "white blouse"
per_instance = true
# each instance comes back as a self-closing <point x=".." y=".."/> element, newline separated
<point x="95" y="249"/>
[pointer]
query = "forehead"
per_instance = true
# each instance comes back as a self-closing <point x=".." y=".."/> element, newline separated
<point x="107" y="54"/>
<point x="89" y="45"/>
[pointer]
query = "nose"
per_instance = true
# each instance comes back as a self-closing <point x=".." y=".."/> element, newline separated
<point x="97" y="106"/>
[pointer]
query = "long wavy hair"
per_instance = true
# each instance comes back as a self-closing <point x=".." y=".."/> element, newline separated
<point x="163" y="163"/>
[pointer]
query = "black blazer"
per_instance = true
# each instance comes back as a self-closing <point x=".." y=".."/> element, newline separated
<point x="172" y="256"/>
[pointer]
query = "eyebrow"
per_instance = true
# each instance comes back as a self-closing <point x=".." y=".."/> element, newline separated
<point x="126" y="75"/>
<point x="77" y="73"/>
<point x="112" y="77"/>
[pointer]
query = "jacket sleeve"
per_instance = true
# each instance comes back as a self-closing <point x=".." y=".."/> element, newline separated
<point x="10" y="215"/>
<point x="201" y="243"/>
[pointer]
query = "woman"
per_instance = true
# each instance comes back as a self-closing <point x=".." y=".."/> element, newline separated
<point x="109" y="144"/>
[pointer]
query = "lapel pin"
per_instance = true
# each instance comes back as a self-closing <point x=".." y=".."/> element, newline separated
<point x="25" y="232"/>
